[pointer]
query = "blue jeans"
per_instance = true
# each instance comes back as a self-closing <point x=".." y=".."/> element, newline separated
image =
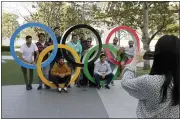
<point x="108" y="78"/>
<point x="45" y="71"/>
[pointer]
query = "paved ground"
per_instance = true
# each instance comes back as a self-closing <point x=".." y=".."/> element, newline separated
<point x="78" y="103"/>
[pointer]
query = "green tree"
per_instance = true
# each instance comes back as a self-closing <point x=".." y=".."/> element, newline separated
<point x="152" y="18"/>
<point x="63" y="14"/>
<point x="9" y="24"/>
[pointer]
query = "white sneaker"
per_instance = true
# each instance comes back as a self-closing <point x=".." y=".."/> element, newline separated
<point x="59" y="89"/>
<point x="65" y="89"/>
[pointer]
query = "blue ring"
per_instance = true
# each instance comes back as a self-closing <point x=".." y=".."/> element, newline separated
<point x="48" y="30"/>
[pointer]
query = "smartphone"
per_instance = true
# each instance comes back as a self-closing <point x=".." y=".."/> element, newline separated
<point x="149" y="55"/>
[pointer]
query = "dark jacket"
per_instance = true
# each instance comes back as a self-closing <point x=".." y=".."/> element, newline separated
<point x="59" y="54"/>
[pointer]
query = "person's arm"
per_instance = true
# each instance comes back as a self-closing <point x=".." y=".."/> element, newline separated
<point x="50" y="42"/>
<point x="96" y="69"/>
<point x="136" y="87"/>
<point x="80" y="49"/>
<point x="20" y="55"/>
<point x="109" y="69"/>
<point x="37" y="53"/>
<point x="68" y="70"/>
<point x="54" y="71"/>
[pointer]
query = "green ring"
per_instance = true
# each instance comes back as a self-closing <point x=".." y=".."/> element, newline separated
<point x="87" y="55"/>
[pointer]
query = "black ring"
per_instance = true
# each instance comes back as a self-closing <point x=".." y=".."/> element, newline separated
<point x="68" y="31"/>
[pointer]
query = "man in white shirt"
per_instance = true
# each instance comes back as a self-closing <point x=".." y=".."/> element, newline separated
<point x="27" y="55"/>
<point x="103" y="71"/>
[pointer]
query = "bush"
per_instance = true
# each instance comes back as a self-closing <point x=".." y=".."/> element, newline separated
<point x="17" y="46"/>
<point x="5" y="48"/>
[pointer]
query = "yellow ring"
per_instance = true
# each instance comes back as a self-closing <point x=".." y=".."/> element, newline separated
<point x="44" y="52"/>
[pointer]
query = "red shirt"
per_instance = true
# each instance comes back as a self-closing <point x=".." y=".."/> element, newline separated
<point x="41" y="48"/>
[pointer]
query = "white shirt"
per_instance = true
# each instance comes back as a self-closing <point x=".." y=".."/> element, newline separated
<point x="130" y="52"/>
<point x="102" y="68"/>
<point x="28" y="52"/>
<point x="147" y="88"/>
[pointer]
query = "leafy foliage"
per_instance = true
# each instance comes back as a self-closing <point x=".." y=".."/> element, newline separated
<point x="9" y="24"/>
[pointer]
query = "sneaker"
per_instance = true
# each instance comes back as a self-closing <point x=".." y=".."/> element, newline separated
<point x="78" y="85"/>
<point x="99" y="87"/>
<point x="112" y="83"/>
<point x="30" y="87"/>
<point x="39" y="88"/>
<point x="107" y="87"/>
<point x="27" y="87"/>
<point x="65" y="90"/>
<point x="47" y="87"/>
<point x="59" y="90"/>
<point x="69" y="86"/>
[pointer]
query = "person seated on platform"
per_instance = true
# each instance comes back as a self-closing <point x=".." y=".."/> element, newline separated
<point x="102" y="70"/>
<point x="61" y="73"/>
<point x="126" y="53"/>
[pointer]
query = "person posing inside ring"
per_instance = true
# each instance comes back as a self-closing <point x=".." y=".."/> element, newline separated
<point x="103" y="71"/>
<point x="42" y="44"/>
<point x="61" y="73"/>
<point x="158" y="92"/>
<point x="126" y="53"/>
<point x="26" y="54"/>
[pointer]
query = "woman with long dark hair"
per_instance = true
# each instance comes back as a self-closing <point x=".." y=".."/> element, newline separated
<point x="158" y="92"/>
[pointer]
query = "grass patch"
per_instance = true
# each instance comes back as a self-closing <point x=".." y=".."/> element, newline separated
<point x="7" y="53"/>
<point x="12" y="74"/>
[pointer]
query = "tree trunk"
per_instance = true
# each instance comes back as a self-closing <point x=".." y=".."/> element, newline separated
<point x="145" y="36"/>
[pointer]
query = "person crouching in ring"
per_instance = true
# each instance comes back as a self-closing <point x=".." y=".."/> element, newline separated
<point x="61" y="73"/>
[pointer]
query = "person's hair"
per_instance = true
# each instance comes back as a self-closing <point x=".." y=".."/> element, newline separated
<point x="27" y="37"/>
<point x="41" y="34"/>
<point x="167" y="62"/>
<point x="131" y="41"/>
<point x="74" y="34"/>
<point x="115" y="38"/>
<point x="61" y="58"/>
<point x="57" y="27"/>
<point x="89" y="39"/>
<point x="102" y="55"/>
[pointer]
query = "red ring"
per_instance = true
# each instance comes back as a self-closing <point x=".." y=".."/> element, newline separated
<point x="133" y="34"/>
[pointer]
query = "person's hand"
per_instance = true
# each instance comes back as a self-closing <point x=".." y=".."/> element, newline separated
<point x="138" y="57"/>
<point x="103" y="75"/>
<point x="62" y="75"/>
<point x="33" y="63"/>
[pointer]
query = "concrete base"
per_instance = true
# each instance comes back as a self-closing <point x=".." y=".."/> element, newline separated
<point x="77" y="103"/>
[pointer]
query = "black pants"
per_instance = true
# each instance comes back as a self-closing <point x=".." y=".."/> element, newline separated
<point x="108" y="78"/>
<point x="58" y="80"/>
<point x="24" y="70"/>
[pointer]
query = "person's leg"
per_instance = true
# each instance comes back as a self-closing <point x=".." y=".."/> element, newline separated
<point x="24" y="70"/>
<point x="51" y="65"/>
<point x="66" y="81"/>
<point x="40" y="83"/>
<point x="46" y="74"/>
<point x="31" y="78"/>
<point x="97" y="79"/>
<point x="55" y="80"/>
<point x="108" y="78"/>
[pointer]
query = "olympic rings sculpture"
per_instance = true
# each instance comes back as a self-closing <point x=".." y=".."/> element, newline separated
<point x="77" y="62"/>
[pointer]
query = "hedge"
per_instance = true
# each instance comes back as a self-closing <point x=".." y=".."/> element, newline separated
<point x="5" y="48"/>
